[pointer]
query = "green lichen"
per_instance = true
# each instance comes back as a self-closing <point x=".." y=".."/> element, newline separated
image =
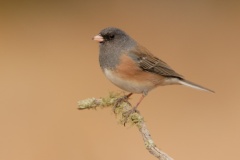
<point x="110" y="100"/>
<point x="121" y="107"/>
<point x="87" y="104"/>
<point x="149" y="144"/>
<point x="136" y="118"/>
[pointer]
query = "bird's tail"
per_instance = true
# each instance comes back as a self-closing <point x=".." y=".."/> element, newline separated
<point x="193" y="85"/>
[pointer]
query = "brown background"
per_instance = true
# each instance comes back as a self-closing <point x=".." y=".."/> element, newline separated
<point x="48" y="62"/>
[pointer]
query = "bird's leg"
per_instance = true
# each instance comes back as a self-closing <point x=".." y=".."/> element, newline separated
<point x="133" y="110"/>
<point x="127" y="96"/>
<point x="120" y="100"/>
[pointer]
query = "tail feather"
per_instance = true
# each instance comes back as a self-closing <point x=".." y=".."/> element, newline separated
<point x="193" y="85"/>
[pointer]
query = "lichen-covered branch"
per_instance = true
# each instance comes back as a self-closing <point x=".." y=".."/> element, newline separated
<point x="121" y="107"/>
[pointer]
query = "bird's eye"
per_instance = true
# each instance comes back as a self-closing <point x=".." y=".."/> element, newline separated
<point x="111" y="36"/>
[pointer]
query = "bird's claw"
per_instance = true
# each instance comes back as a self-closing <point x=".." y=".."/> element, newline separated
<point x="128" y="113"/>
<point x="121" y="100"/>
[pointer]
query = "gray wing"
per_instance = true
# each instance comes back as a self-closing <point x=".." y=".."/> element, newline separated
<point x="150" y="63"/>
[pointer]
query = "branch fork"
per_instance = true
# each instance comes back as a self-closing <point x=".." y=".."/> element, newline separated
<point x="121" y="108"/>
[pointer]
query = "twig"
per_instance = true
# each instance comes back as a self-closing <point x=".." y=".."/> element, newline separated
<point x="120" y="107"/>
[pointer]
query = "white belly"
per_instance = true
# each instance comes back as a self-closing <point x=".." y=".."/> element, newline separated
<point x="129" y="85"/>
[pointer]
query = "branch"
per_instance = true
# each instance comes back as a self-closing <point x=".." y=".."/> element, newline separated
<point x="120" y="107"/>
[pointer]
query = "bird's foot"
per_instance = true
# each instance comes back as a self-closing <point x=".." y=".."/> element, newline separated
<point x="121" y="100"/>
<point x="128" y="113"/>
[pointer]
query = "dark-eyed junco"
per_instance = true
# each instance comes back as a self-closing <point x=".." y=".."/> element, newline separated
<point x="132" y="67"/>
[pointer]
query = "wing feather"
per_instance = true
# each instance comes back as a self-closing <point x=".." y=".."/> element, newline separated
<point x="150" y="63"/>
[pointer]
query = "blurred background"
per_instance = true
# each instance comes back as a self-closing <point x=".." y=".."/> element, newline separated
<point x="48" y="63"/>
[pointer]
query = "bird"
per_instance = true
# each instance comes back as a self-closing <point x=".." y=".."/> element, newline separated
<point x="132" y="67"/>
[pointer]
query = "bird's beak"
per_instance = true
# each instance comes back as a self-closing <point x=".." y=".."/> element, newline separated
<point x="98" y="38"/>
